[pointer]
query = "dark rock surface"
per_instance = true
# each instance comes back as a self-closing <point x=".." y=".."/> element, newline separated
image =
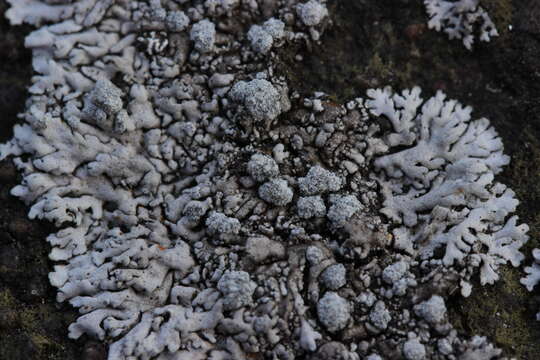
<point x="372" y="43"/>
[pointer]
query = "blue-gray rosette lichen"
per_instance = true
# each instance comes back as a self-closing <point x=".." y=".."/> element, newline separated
<point x="207" y="210"/>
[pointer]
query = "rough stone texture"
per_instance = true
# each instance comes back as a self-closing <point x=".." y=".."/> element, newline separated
<point x="373" y="43"/>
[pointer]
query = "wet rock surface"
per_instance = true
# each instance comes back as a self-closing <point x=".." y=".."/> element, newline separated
<point x="372" y="43"/>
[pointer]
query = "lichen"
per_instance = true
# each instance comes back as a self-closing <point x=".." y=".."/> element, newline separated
<point x="460" y="19"/>
<point x="137" y="202"/>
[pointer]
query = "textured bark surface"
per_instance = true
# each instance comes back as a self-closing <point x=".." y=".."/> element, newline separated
<point x="373" y="43"/>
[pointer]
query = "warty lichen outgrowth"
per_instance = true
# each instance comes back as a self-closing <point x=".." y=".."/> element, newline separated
<point x="203" y="34"/>
<point x="333" y="311"/>
<point x="262" y="38"/>
<point x="312" y="12"/>
<point x="259" y="97"/>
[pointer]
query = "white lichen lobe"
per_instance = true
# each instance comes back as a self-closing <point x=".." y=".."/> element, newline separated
<point x="461" y="19"/>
